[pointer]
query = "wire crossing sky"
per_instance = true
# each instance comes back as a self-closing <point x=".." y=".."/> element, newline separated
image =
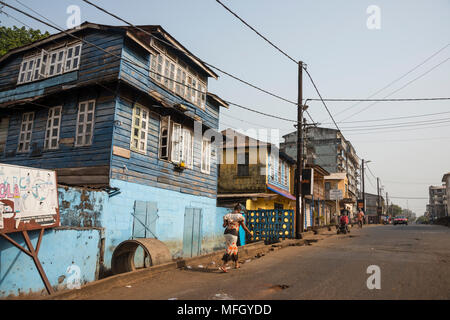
<point x="347" y="60"/>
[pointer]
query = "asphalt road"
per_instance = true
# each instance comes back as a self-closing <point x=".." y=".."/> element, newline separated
<point x="414" y="263"/>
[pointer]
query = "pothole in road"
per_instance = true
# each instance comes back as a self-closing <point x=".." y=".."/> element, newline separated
<point x="279" y="287"/>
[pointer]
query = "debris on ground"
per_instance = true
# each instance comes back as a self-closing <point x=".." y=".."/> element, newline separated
<point x="222" y="296"/>
<point x="128" y="286"/>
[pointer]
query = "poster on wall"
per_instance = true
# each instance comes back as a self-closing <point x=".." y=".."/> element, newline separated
<point x="28" y="198"/>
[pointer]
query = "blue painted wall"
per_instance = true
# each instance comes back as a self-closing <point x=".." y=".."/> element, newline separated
<point x="95" y="65"/>
<point x="60" y="248"/>
<point x="169" y="227"/>
<point x="67" y="155"/>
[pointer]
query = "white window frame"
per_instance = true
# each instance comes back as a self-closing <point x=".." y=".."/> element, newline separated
<point x="26" y="132"/>
<point x="165" y="124"/>
<point x="201" y="95"/>
<point x="188" y="148"/>
<point x="141" y="114"/>
<point x="206" y="156"/>
<point x="160" y="67"/>
<point x="174" y="75"/>
<point x="74" y="57"/>
<point x="85" y="127"/>
<point x="153" y="65"/>
<point x="176" y="142"/>
<point x="56" y="62"/>
<point x="51" y="126"/>
<point x="25" y="70"/>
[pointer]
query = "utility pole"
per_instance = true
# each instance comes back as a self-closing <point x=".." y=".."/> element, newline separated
<point x="379" y="200"/>
<point x="298" y="196"/>
<point x="363" y="187"/>
<point x="387" y="204"/>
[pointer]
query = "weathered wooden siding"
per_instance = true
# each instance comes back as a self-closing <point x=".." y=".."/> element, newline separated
<point x="67" y="155"/>
<point x="147" y="168"/>
<point x="139" y="78"/>
<point x="95" y="65"/>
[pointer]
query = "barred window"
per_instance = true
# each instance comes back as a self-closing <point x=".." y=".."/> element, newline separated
<point x="206" y="156"/>
<point x="53" y="126"/>
<point x="85" y="123"/>
<point x="26" y="130"/>
<point x="139" y="129"/>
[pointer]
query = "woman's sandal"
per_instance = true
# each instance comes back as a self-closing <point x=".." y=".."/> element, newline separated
<point x="223" y="269"/>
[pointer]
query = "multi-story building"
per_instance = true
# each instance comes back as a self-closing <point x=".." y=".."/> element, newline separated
<point x="329" y="149"/>
<point x="254" y="173"/>
<point x="446" y="181"/>
<point x="437" y="206"/>
<point x="372" y="204"/>
<point x="116" y="109"/>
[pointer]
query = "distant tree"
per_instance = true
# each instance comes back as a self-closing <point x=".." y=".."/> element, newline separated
<point x="423" y="219"/>
<point x="409" y="214"/>
<point x="14" y="37"/>
<point x="395" y="210"/>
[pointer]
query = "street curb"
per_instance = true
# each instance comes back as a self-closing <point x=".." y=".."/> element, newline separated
<point x="252" y="250"/>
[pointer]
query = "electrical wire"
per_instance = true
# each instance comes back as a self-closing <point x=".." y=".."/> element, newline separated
<point x="395" y="118"/>
<point x="139" y="66"/>
<point x="397" y="90"/>
<point x="257" y="32"/>
<point x="188" y="54"/>
<point x="398" y="124"/>
<point x="398" y="79"/>
<point x="384" y="100"/>
<point x="320" y="96"/>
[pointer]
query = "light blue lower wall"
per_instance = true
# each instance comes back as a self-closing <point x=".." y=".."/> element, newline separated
<point x="90" y="216"/>
<point x="118" y="218"/>
<point x="60" y="248"/>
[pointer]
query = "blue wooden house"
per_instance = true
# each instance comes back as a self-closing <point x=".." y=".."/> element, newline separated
<point x="120" y="110"/>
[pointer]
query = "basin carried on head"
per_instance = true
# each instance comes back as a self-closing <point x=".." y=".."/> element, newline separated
<point x="123" y="255"/>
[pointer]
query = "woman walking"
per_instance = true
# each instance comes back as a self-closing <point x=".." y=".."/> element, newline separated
<point x="232" y="221"/>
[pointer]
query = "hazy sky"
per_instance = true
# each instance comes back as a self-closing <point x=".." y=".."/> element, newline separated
<point x="345" y="58"/>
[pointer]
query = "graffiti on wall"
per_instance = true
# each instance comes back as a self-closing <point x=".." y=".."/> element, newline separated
<point x="28" y="198"/>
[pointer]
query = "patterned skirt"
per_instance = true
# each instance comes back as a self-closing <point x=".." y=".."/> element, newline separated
<point x="231" y="250"/>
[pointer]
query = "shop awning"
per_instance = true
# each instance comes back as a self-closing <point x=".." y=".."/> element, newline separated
<point x="280" y="191"/>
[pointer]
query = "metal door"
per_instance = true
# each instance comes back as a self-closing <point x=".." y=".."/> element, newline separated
<point x="145" y="217"/>
<point x="192" y="234"/>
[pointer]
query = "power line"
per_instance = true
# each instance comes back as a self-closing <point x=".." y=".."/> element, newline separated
<point x="399" y="130"/>
<point x="257" y="32"/>
<point x="187" y="53"/>
<point x="417" y="198"/>
<point x="398" y="124"/>
<point x="394" y="126"/>
<point x="402" y="140"/>
<point x="259" y="112"/>
<point x="402" y="87"/>
<point x="320" y="96"/>
<point x="394" y="118"/>
<point x="133" y="63"/>
<point x="406" y="182"/>
<point x="384" y="100"/>
<point x="399" y="78"/>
